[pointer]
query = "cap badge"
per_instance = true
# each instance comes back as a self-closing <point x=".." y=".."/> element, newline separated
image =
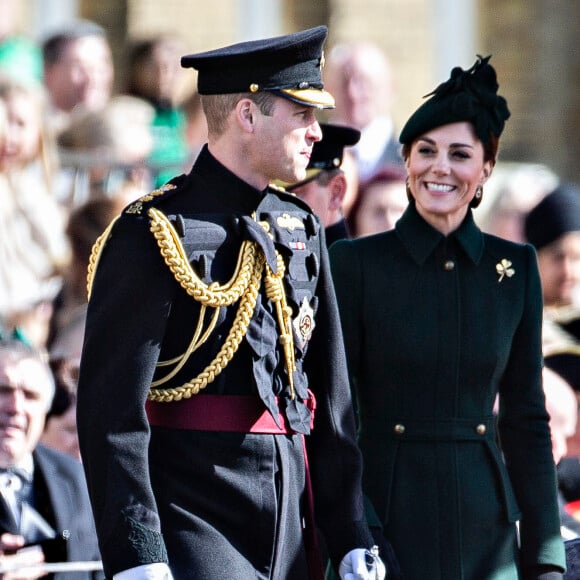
<point x="504" y="269"/>
<point x="289" y="222"/>
<point x="304" y="323"/>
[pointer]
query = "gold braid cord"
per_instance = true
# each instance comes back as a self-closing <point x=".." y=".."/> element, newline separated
<point x="95" y="256"/>
<point x="275" y="292"/>
<point x="244" y="286"/>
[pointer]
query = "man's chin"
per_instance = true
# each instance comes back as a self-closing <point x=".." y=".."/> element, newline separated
<point x="11" y="447"/>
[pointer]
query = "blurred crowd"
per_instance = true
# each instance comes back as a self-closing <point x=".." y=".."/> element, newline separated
<point x="74" y="151"/>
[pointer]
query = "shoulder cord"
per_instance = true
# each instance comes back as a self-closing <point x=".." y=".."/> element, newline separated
<point x="95" y="256"/>
<point x="244" y="285"/>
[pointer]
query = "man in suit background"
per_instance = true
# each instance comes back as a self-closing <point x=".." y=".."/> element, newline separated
<point x="44" y="507"/>
<point x="360" y="77"/>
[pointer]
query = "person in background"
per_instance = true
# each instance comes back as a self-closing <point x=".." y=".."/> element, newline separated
<point x="325" y="185"/>
<point x="52" y="510"/>
<point x="360" y="77"/>
<point x="196" y="386"/>
<point x="105" y="153"/>
<point x="562" y="407"/>
<point x="439" y="319"/>
<point x="67" y="325"/>
<point x="513" y="190"/>
<point x="156" y="77"/>
<point x="380" y="203"/>
<point x="60" y="427"/>
<point x="553" y="227"/>
<point x="20" y="55"/>
<point x="33" y="247"/>
<point x="562" y="356"/>
<point x="78" y="70"/>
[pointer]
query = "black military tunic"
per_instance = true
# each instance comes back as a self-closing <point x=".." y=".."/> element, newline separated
<point x="221" y="504"/>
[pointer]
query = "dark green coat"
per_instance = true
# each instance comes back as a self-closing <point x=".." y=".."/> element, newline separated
<point x="432" y="336"/>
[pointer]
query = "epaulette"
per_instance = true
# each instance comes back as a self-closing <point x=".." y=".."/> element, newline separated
<point x="96" y="252"/>
<point x="137" y="207"/>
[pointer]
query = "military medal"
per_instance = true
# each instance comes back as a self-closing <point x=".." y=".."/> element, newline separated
<point x="304" y="323"/>
<point x="289" y="222"/>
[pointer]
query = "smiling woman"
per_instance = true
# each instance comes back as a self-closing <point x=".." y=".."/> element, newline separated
<point x="438" y="319"/>
<point x="446" y="170"/>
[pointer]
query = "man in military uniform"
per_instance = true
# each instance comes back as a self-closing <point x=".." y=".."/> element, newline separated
<point x="326" y="184"/>
<point x="212" y="333"/>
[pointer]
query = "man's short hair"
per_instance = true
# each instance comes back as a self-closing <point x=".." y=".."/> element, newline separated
<point x="17" y="350"/>
<point x="217" y="108"/>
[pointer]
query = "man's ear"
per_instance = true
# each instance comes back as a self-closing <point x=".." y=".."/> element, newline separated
<point x="246" y="114"/>
<point x="337" y="188"/>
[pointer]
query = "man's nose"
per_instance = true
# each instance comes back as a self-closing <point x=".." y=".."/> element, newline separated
<point x="315" y="132"/>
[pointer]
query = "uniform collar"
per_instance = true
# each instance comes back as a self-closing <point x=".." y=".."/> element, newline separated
<point x="420" y="239"/>
<point x="225" y="187"/>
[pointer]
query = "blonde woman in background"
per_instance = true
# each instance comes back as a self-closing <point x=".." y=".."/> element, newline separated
<point x="33" y="246"/>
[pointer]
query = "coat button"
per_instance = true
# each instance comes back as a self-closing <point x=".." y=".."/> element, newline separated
<point x="481" y="429"/>
<point x="449" y="265"/>
<point x="399" y="429"/>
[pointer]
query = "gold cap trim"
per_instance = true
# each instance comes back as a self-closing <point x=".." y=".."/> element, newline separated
<point x="312" y="97"/>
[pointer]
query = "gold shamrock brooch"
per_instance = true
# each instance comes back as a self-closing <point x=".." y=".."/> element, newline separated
<point x="504" y="268"/>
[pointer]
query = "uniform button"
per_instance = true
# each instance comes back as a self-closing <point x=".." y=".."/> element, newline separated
<point x="481" y="429"/>
<point x="449" y="265"/>
<point x="399" y="429"/>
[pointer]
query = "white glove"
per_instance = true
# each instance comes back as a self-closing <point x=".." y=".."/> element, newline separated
<point x="360" y="564"/>
<point x="157" y="571"/>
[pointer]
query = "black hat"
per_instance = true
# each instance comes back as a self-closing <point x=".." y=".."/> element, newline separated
<point x="557" y="214"/>
<point x="328" y="152"/>
<point x="468" y="95"/>
<point x="287" y="65"/>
